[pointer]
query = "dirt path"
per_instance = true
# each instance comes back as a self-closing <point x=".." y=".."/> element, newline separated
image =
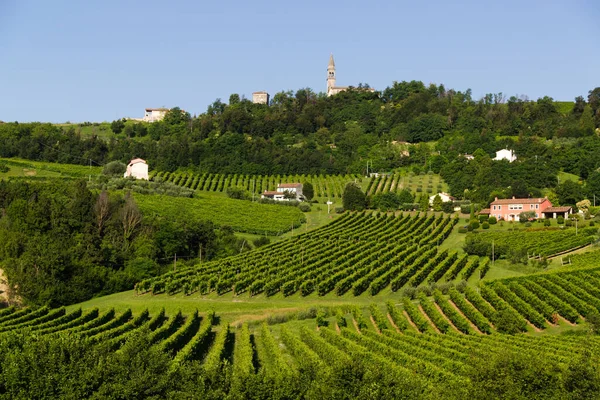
<point x="563" y="319"/>
<point x="435" y="328"/>
<point x="3" y="287"/>
<point x="458" y="310"/>
<point x="410" y="321"/>
<point x="393" y="323"/>
<point x="445" y="316"/>
<point x="535" y="328"/>
<point x="356" y="326"/>
<point x="375" y="325"/>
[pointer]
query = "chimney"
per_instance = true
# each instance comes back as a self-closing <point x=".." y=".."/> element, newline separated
<point x="496" y="199"/>
<point x="513" y="197"/>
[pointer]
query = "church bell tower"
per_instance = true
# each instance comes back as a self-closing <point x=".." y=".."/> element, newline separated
<point x="330" y="75"/>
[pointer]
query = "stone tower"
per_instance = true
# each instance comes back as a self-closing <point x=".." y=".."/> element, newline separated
<point x="330" y="75"/>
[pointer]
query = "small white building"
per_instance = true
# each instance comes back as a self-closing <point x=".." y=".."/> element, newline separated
<point x="282" y="190"/>
<point x="444" y="196"/>
<point x="154" y="114"/>
<point x="273" y="195"/>
<point x="137" y="168"/>
<point x="261" y="97"/>
<point x="295" y="188"/>
<point x="505" y="154"/>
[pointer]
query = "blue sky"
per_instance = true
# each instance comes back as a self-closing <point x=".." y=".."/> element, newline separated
<point x="101" y="60"/>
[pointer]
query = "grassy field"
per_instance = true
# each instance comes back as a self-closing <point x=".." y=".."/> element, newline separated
<point x="26" y="168"/>
<point x="100" y="129"/>
<point x="241" y="215"/>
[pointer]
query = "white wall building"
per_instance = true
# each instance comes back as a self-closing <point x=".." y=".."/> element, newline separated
<point x="505" y="154"/>
<point x="260" y="97"/>
<point x="154" y="114"/>
<point x="444" y="196"/>
<point x="282" y="188"/>
<point x="137" y="168"/>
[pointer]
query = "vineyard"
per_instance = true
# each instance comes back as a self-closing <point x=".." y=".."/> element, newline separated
<point x="241" y="216"/>
<point x="357" y="253"/>
<point x="325" y="186"/>
<point x="425" y="183"/>
<point x="538" y="242"/>
<point x="544" y="300"/>
<point x="415" y="348"/>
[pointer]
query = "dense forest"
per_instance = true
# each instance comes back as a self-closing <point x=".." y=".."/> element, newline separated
<point x="305" y="132"/>
<point x="60" y="243"/>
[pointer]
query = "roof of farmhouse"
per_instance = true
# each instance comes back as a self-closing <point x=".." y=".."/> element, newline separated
<point x="537" y="200"/>
<point x="289" y="185"/>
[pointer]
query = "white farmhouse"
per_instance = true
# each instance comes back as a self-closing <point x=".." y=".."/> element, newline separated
<point x="444" y="196"/>
<point x="137" y="168"/>
<point x="505" y="154"/>
<point x="154" y="114"/>
<point x="282" y="189"/>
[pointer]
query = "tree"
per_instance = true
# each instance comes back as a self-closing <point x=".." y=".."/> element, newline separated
<point x="353" y="197"/>
<point x="234" y="99"/>
<point x="308" y="191"/>
<point x="114" y="168"/>
<point x="117" y="126"/>
<point x="386" y="201"/>
<point x="569" y="193"/>
<point x="405" y="196"/>
<point x="437" y="203"/>
<point x="579" y="105"/>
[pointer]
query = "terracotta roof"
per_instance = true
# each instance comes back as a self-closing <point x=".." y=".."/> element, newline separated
<point x="485" y="211"/>
<point x="537" y="200"/>
<point x="558" y="209"/>
<point x="270" y="193"/>
<point x="260" y="92"/>
<point x="136" y="161"/>
<point x="157" y="109"/>
<point x="289" y="185"/>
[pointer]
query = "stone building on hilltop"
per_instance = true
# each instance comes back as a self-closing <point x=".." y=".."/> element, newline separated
<point x="331" y="87"/>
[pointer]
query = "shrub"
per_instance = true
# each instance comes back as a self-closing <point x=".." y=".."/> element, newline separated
<point x="569" y="223"/>
<point x="261" y="241"/>
<point x="237" y="193"/>
<point x="339" y="210"/>
<point x="560" y="219"/>
<point x="483" y="217"/>
<point x="474" y="224"/>
<point x="419" y="189"/>
<point x="304" y="207"/>
<point x="547" y="222"/>
<point x="114" y="168"/>
<point x="462" y="229"/>
<point x="592" y="223"/>
<point x="485" y="225"/>
<point x="492" y="220"/>
<point x="3" y="167"/>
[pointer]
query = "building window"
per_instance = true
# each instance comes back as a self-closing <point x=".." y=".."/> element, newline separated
<point x="499" y="207"/>
<point x="537" y="206"/>
<point x="494" y="207"/>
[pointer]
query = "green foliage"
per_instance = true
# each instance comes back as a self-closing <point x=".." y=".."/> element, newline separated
<point x="308" y="190"/>
<point x="353" y="197"/>
<point x="114" y="168"/>
<point x="492" y="220"/>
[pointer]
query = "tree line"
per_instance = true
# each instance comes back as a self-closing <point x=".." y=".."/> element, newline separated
<point x="61" y="243"/>
<point x="304" y="132"/>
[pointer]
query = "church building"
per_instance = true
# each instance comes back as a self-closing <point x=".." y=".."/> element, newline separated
<point x="331" y="88"/>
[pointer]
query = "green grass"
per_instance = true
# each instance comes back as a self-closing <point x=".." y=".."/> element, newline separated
<point x="102" y="130"/>
<point x="240" y="215"/>
<point x="565" y="176"/>
<point x="27" y="168"/>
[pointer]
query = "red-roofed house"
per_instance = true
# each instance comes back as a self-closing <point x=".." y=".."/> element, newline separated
<point x="509" y="209"/>
<point x="137" y="168"/>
